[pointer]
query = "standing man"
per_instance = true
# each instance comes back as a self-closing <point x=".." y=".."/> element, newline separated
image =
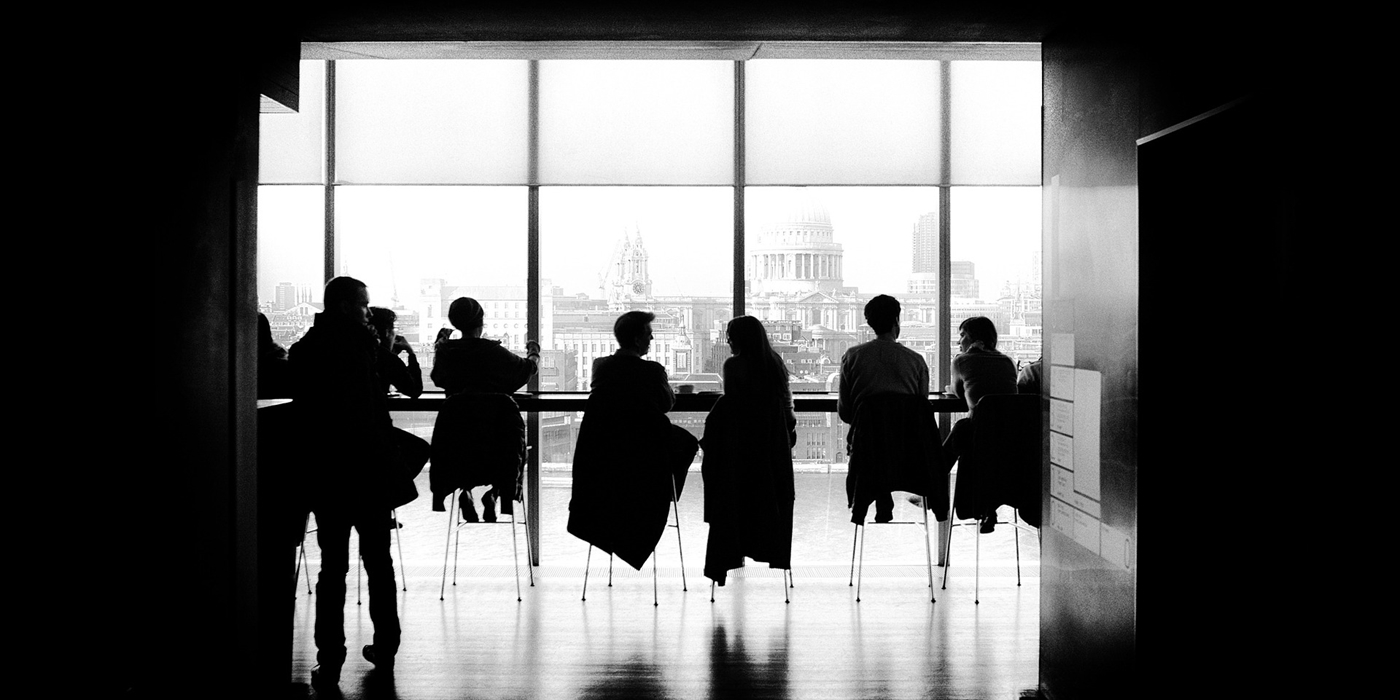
<point x="354" y="477"/>
<point x="881" y="366"/>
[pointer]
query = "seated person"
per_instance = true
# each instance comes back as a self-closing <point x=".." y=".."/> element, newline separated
<point x="477" y="365"/>
<point x="630" y="460"/>
<point x="1028" y="380"/>
<point x="274" y="372"/>
<point x="881" y="366"/>
<point x="978" y="371"/>
<point x="747" y="469"/>
<point x="406" y="378"/>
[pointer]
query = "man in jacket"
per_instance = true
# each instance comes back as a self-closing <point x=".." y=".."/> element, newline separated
<point x="352" y="478"/>
<point x="881" y="366"/>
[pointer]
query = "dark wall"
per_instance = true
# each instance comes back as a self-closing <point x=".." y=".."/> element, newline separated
<point x="1175" y="262"/>
<point x="150" y="201"/>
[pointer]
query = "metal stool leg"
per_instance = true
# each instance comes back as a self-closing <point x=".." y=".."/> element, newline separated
<point x="515" y="550"/>
<point x="928" y="552"/>
<point x="1016" y="532"/>
<point x="977" y="569"/>
<point x="394" y="515"/>
<point x="585" y="571"/>
<point x="446" y="546"/>
<point x="712" y="591"/>
<point x="854" y="534"/>
<point x="786" y="599"/>
<point x="610" y="561"/>
<point x="456" y="548"/>
<point x="861" y="575"/>
<point x="791" y="584"/>
<point x="655" y="597"/>
<point x="676" y="504"/>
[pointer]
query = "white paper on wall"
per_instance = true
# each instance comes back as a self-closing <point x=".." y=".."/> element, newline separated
<point x="1087" y="402"/>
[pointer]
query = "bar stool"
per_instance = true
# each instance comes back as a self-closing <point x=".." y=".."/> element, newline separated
<point x="859" y="534"/>
<point x="1001" y="468"/>
<point x="453" y="511"/>
<point x="656" y="600"/>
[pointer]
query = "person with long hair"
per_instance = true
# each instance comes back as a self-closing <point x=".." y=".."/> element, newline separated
<point x="755" y="371"/>
<point x="747" y="469"/>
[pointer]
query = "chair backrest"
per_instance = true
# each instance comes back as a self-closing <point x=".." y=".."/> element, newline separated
<point x="896" y="446"/>
<point x="1006" y="453"/>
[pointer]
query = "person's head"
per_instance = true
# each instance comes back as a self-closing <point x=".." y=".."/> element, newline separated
<point x="975" y="329"/>
<point x="749" y="340"/>
<point x="383" y="321"/>
<point x="882" y="313"/>
<point x="633" y="331"/>
<point x="466" y="314"/>
<point x="747" y="336"/>
<point x="347" y="298"/>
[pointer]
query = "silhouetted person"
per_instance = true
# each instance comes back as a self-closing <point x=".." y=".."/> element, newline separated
<point x="628" y="451"/>
<point x="881" y="366"/>
<point x="411" y="450"/>
<point x="406" y="377"/>
<point x="478" y="440"/>
<point x="274" y="372"/>
<point x="979" y="370"/>
<point x="355" y="475"/>
<point x="1031" y="377"/>
<point x="747" y="467"/>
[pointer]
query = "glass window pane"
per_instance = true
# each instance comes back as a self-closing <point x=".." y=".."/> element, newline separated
<point x="461" y="122"/>
<point x="814" y="256"/>
<point x="418" y="248"/>
<point x="996" y="264"/>
<point x="289" y="144"/>
<point x="291" y="251"/>
<point x="842" y="122"/>
<point x="605" y="250"/>
<point x="996" y="122"/>
<point x="637" y="122"/>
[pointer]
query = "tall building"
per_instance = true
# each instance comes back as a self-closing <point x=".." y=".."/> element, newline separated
<point x="285" y="296"/>
<point x="964" y="280"/>
<point x="923" y="274"/>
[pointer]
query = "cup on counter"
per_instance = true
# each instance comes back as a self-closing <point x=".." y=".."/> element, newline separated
<point x="948" y="390"/>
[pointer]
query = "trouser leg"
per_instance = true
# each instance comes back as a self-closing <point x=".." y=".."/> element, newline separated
<point x="383" y="592"/>
<point x="333" y="537"/>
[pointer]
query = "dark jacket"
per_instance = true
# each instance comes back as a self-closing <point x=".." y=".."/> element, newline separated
<point x="895" y="446"/>
<point x="349" y="455"/>
<point x="626" y="458"/>
<point x="748" y="485"/>
<point x="1004" y="465"/>
<point x="479" y="365"/>
<point x="478" y="439"/>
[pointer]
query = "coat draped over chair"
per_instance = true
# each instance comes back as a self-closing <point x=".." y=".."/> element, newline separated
<point x="478" y="439"/>
<point x="1004" y="465"/>
<point x="747" y="470"/>
<point x="895" y="446"/>
<point x="624" y="462"/>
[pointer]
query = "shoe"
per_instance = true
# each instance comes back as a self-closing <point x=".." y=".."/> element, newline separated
<point x="394" y="524"/>
<point x="376" y="659"/>
<point x="884" y="517"/>
<point x="989" y="524"/>
<point x="468" y="508"/>
<point x="325" y="678"/>
<point x="488" y="506"/>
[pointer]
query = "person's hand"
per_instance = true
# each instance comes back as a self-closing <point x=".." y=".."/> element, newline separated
<point x="401" y="345"/>
<point x="532" y="348"/>
<point x="443" y="335"/>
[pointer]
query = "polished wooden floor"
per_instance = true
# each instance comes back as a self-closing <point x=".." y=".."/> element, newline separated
<point x="479" y="642"/>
